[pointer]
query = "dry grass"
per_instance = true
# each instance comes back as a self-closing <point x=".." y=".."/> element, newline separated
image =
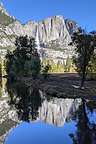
<point x="60" y="85"/>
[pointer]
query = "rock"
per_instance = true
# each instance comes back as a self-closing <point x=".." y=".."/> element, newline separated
<point x="54" y="35"/>
<point x="56" y="111"/>
<point x="8" y="119"/>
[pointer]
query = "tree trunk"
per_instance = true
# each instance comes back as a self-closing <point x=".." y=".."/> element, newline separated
<point x="86" y="120"/>
<point x="82" y="82"/>
<point x="83" y="78"/>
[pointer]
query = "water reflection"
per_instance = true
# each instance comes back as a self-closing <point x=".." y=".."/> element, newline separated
<point x="57" y="111"/>
<point x="63" y="120"/>
<point x="86" y="129"/>
<point x="31" y="105"/>
<point x="25" y="99"/>
<point x="41" y="133"/>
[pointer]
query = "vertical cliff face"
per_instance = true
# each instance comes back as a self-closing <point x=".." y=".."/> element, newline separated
<point x="30" y="28"/>
<point x="18" y="29"/>
<point x="56" y="111"/>
<point x="53" y="28"/>
<point x="55" y="38"/>
<point x="54" y="34"/>
<point x="49" y="30"/>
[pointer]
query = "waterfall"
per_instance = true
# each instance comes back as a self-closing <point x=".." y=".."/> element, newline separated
<point x="37" y="40"/>
<point x="38" y="44"/>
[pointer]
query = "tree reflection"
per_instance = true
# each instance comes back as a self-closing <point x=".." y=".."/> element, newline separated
<point x="26" y="100"/>
<point x="86" y="132"/>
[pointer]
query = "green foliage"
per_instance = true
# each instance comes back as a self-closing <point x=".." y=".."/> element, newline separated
<point x="68" y="64"/>
<point x="24" y="60"/>
<point x="58" y="67"/>
<point x="85" y="44"/>
<point x="35" y="65"/>
<point x="92" y="64"/>
<point x="45" y="70"/>
<point x="92" y="67"/>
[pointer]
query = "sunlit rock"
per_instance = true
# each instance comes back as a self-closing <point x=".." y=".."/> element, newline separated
<point x="54" y="34"/>
<point x="57" y="111"/>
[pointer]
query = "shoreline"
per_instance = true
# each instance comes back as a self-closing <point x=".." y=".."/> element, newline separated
<point x="61" y="86"/>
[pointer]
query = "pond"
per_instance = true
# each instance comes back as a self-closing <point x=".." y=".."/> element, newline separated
<point x="29" y="116"/>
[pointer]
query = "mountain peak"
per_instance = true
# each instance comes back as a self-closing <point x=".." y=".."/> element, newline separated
<point x="5" y="17"/>
<point x="3" y="10"/>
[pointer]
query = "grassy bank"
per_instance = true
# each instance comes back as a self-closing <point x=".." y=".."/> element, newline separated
<point x="62" y="85"/>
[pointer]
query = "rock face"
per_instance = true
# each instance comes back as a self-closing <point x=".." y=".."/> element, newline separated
<point x="5" y="18"/>
<point x="8" y="119"/>
<point x="57" y="111"/>
<point x="53" y="29"/>
<point x="71" y="25"/>
<point x="54" y="34"/>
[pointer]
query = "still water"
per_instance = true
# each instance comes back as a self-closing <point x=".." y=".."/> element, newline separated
<point x="30" y="117"/>
<point x="41" y="133"/>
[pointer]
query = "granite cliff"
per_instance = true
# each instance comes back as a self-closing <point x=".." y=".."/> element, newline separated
<point x="53" y="34"/>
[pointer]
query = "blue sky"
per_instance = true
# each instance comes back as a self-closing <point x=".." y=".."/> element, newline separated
<point x="82" y="11"/>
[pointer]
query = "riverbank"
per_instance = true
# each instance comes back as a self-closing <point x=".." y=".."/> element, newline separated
<point x="64" y="86"/>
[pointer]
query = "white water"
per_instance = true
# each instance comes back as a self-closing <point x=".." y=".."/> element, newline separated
<point x="38" y="44"/>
